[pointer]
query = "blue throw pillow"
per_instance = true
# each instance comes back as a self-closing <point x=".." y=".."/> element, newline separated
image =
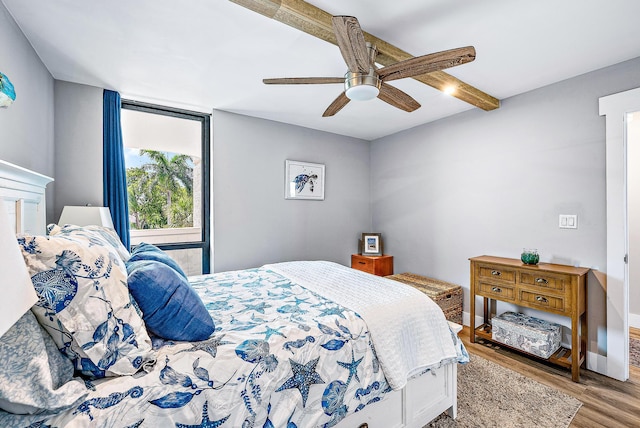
<point x="171" y="308"/>
<point x="158" y="256"/>
<point x="144" y="247"/>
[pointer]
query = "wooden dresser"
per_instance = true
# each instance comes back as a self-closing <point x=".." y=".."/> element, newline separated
<point x="377" y="265"/>
<point x="558" y="289"/>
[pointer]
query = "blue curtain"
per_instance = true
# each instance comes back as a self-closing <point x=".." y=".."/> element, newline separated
<point x="114" y="171"/>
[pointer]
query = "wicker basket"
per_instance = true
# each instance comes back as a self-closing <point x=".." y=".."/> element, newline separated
<point x="446" y="295"/>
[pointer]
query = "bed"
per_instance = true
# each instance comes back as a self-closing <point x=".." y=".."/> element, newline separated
<point x="294" y="344"/>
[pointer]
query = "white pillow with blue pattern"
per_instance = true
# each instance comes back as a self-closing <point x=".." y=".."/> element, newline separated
<point x="94" y="233"/>
<point x="34" y="376"/>
<point x="84" y="303"/>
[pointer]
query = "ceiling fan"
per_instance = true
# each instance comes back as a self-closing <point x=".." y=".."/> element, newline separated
<point x="364" y="80"/>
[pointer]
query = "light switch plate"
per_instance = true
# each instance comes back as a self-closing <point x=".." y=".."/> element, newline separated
<point x="568" y="221"/>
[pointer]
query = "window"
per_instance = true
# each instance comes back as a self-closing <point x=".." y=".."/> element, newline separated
<point x="167" y="162"/>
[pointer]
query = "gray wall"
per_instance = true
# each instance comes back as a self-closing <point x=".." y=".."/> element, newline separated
<point x="495" y="182"/>
<point x="26" y="128"/>
<point x="254" y="224"/>
<point x="78" y="137"/>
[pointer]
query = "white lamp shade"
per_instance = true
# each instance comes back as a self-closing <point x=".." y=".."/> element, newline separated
<point x="17" y="290"/>
<point x="86" y="216"/>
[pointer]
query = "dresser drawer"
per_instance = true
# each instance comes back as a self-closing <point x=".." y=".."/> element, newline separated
<point x="362" y="263"/>
<point x="548" y="302"/>
<point x="493" y="291"/>
<point x="545" y="280"/>
<point x="496" y="273"/>
<point x="377" y="265"/>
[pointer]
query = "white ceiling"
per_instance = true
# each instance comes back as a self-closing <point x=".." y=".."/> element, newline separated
<point x="213" y="54"/>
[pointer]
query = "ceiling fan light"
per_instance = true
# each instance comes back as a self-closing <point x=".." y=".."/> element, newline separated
<point x="362" y="92"/>
<point x="362" y="87"/>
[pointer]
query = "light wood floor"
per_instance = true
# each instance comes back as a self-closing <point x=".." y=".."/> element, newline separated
<point x="605" y="402"/>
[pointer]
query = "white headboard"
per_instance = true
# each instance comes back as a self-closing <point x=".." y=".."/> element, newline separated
<point x="22" y="193"/>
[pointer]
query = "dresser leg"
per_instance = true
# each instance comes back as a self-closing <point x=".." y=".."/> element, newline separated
<point x="472" y="307"/>
<point x="576" y="348"/>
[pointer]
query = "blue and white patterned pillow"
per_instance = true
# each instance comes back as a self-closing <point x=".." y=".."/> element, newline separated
<point x="92" y="233"/>
<point x="84" y="303"/>
<point x="34" y="376"/>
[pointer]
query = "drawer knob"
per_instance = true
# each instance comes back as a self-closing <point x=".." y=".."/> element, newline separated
<point x="362" y="263"/>
<point x="541" y="299"/>
<point x="541" y="281"/>
<point x="364" y="425"/>
<point x="496" y="290"/>
<point x="496" y="273"/>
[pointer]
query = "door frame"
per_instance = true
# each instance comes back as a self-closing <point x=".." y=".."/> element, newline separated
<point x="615" y="107"/>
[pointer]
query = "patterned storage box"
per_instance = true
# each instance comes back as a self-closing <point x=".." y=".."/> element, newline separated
<point x="529" y="334"/>
<point x="447" y="295"/>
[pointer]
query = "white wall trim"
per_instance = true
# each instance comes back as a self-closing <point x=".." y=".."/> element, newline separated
<point x="634" y="320"/>
<point x="616" y="107"/>
<point x="596" y="362"/>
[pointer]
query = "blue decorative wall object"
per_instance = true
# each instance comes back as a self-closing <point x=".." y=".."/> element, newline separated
<point x="7" y="92"/>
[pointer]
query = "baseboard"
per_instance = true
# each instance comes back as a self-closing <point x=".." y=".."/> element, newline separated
<point x="597" y="363"/>
<point x="466" y="319"/>
<point x="634" y="320"/>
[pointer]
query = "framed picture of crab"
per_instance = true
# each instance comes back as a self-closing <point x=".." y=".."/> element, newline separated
<point x="304" y="180"/>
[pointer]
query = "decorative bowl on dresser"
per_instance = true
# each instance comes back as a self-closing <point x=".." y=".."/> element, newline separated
<point x="377" y="265"/>
<point x="552" y="288"/>
<point x="447" y="295"/>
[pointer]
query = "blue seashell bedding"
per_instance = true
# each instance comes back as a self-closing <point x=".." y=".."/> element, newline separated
<point x="281" y="355"/>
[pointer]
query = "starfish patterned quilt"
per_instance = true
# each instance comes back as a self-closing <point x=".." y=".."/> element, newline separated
<point x="282" y="355"/>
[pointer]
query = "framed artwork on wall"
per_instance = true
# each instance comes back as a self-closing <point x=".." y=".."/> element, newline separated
<point x="371" y="244"/>
<point x="7" y="92"/>
<point x="304" y="180"/>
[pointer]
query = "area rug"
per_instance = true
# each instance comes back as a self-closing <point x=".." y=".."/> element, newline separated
<point x="490" y="395"/>
<point x="634" y="352"/>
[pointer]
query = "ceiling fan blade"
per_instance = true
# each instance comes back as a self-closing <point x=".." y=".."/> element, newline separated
<point x="427" y="63"/>
<point x="397" y="98"/>
<point x="351" y="43"/>
<point x="303" y="80"/>
<point x="336" y="105"/>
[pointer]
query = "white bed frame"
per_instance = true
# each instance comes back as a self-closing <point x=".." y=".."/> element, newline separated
<point x="22" y="192"/>
<point x="423" y="399"/>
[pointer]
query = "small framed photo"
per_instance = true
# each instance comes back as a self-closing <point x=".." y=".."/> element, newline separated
<point x="371" y="244"/>
<point x="304" y="180"/>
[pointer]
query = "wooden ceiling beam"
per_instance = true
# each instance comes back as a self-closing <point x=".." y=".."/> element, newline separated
<point x="316" y="22"/>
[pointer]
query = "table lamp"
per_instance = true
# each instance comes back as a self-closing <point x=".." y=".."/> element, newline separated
<point x="86" y="216"/>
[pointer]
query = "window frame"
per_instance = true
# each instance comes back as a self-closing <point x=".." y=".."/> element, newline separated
<point x="205" y="122"/>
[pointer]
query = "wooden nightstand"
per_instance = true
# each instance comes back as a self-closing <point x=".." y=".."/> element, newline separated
<point x="377" y="265"/>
